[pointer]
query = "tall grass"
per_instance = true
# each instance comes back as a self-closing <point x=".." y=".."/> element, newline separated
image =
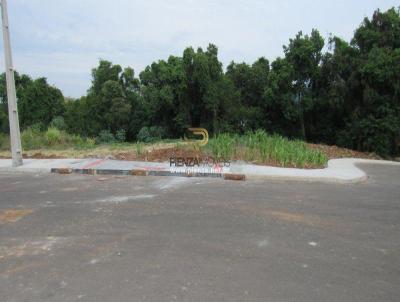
<point x="223" y="145"/>
<point x="261" y="147"/>
<point x="33" y="139"/>
<point x="139" y="148"/>
<point x="4" y="142"/>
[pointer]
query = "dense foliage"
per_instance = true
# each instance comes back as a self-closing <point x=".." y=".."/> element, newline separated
<point x="348" y="95"/>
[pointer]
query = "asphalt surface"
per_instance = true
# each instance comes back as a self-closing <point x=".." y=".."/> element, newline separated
<point x="87" y="238"/>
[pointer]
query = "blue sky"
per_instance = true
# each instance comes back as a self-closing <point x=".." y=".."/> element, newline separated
<point x="64" y="39"/>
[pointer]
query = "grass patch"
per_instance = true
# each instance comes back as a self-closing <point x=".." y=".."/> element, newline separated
<point x="52" y="139"/>
<point x="4" y="142"/>
<point x="33" y="139"/>
<point x="262" y="148"/>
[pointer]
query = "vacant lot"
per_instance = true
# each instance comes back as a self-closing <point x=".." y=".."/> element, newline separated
<point x="256" y="147"/>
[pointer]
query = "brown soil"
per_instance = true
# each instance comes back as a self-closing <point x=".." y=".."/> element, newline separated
<point x="160" y="155"/>
<point x="336" y="152"/>
<point x="37" y="155"/>
<point x="40" y="155"/>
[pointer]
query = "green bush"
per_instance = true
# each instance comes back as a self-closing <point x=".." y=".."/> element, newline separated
<point x="32" y="138"/>
<point x="150" y="134"/>
<point x="58" y="122"/>
<point x="4" y="142"/>
<point x="53" y="137"/>
<point x="90" y="142"/>
<point x="144" y="135"/>
<point x="105" y="137"/>
<point x="370" y="134"/>
<point x="120" y="136"/>
<point x="38" y="127"/>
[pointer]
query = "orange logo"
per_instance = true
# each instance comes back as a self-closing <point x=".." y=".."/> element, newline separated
<point x="199" y="131"/>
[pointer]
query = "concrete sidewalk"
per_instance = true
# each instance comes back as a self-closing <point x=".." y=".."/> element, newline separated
<point x="338" y="170"/>
<point x="343" y="170"/>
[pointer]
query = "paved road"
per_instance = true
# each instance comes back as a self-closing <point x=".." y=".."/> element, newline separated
<point x="81" y="238"/>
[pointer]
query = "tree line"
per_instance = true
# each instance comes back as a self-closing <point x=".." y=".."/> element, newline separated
<point x="342" y="93"/>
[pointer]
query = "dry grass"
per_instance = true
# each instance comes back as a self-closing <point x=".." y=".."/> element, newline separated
<point x="100" y="151"/>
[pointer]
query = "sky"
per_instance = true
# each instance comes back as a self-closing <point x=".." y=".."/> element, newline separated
<point x="63" y="40"/>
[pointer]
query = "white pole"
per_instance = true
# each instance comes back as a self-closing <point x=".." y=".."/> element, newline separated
<point x="15" y="135"/>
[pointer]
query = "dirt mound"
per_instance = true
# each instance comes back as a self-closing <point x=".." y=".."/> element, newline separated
<point x="336" y="152"/>
<point x="160" y="155"/>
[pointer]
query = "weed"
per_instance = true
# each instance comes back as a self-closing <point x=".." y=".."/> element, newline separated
<point x="261" y="147"/>
<point x="53" y="137"/>
<point x="139" y="148"/>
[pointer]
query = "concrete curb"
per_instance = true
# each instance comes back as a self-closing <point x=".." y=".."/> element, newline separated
<point x="144" y="173"/>
<point x="308" y="179"/>
<point x="12" y="170"/>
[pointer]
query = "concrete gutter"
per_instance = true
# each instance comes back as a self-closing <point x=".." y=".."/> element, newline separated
<point x="337" y="171"/>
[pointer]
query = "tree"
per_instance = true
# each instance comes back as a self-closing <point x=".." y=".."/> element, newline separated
<point x="109" y="102"/>
<point x="162" y="90"/>
<point x="304" y="53"/>
<point x="78" y="118"/>
<point x="184" y="90"/>
<point x="250" y="82"/>
<point x="223" y="102"/>
<point x="39" y="103"/>
<point x="202" y="70"/>
<point x="281" y="110"/>
<point x="333" y="93"/>
<point x="105" y="72"/>
<point x="373" y="99"/>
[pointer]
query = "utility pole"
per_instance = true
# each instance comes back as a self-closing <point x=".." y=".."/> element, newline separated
<point x="15" y="135"/>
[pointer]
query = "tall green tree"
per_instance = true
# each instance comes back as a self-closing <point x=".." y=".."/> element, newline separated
<point x="373" y="86"/>
<point x="281" y="109"/>
<point x="162" y="91"/>
<point x="109" y="102"/>
<point x="39" y="103"/>
<point x="187" y="91"/>
<point x="202" y="71"/>
<point x="250" y="82"/>
<point x="304" y="53"/>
